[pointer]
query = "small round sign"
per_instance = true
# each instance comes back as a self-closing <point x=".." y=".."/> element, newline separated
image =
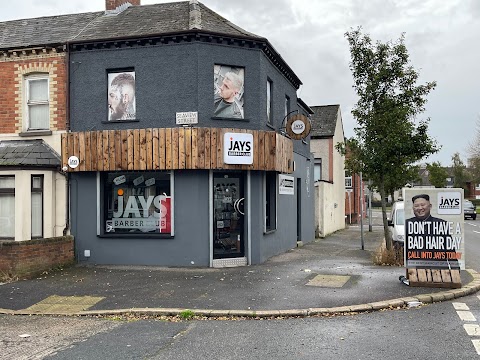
<point x="73" y="162"/>
<point x="298" y="127"/>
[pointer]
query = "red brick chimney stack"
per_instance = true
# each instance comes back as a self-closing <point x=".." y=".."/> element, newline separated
<point x="113" y="4"/>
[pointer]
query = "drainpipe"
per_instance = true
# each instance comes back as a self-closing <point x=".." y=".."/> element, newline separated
<point x="67" y="128"/>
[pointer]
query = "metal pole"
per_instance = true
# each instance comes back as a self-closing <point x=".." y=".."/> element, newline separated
<point x="361" y="211"/>
<point x="369" y="205"/>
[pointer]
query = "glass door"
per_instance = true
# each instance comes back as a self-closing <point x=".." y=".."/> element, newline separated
<point x="228" y="215"/>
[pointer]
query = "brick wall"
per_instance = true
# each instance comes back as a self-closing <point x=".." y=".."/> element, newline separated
<point x="28" y="258"/>
<point x="12" y="71"/>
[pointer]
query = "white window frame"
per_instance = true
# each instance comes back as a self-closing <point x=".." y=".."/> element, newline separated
<point x="28" y="103"/>
<point x="348" y="182"/>
<point x="269" y="108"/>
<point x="10" y="192"/>
<point x="317" y="164"/>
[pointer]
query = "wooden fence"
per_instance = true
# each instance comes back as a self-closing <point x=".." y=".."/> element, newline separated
<point x="171" y="149"/>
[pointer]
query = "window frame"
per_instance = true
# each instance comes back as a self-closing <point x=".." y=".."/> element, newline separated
<point x="270" y="201"/>
<point x="31" y="103"/>
<point x="317" y="163"/>
<point x="348" y="182"/>
<point x="269" y="102"/>
<point x="35" y="190"/>
<point x="9" y="192"/>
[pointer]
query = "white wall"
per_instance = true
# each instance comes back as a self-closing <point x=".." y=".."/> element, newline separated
<point x="54" y="202"/>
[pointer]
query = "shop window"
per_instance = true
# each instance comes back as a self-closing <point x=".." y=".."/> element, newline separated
<point x="121" y="96"/>
<point x="317" y="170"/>
<point x="270" y="201"/>
<point x="7" y="207"/>
<point x="269" y="102"/>
<point x="138" y="203"/>
<point x="37" y="206"/>
<point x="37" y="102"/>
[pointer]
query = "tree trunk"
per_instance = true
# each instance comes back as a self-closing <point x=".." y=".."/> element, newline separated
<point x="386" y="231"/>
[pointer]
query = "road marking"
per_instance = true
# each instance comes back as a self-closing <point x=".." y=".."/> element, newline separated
<point x="478" y="232"/>
<point x="472" y="329"/>
<point x="476" y="343"/>
<point x="466" y="316"/>
<point x="460" y="306"/>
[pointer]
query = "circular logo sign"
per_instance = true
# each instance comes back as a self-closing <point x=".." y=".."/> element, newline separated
<point x="73" y="162"/>
<point x="298" y="127"/>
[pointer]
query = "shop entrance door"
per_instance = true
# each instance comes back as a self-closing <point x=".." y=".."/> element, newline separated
<point x="228" y="215"/>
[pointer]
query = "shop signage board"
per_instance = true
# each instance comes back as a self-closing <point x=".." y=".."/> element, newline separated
<point x="286" y="185"/>
<point x="434" y="249"/>
<point x="238" y="148"/>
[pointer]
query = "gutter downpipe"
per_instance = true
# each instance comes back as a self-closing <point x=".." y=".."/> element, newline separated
<point x="67" y="129"/>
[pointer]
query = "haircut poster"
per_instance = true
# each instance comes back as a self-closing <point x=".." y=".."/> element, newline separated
<point x="434" y="228"/>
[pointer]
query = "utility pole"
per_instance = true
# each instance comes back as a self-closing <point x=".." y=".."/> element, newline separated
<point x="370" y="205"/>
<point x="361" y="209"/>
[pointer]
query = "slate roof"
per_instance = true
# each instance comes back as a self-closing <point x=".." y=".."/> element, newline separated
<point x="324" y="120"/>
<point x="135" y="21"/>
<point x="28" y="153"/>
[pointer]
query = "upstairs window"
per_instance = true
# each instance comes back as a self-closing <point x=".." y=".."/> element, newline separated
<point x="37" y="102"/>
<point x="348" y="182"/>
<point x="269" y="102"/>
<point x="287" y="105"/>
<point x="317" y="170"/>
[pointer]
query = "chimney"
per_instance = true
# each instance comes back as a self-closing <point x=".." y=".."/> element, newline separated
<point x="114" y="4"/>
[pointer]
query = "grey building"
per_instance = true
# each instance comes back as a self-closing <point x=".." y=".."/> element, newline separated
<point x="178" y="152"/>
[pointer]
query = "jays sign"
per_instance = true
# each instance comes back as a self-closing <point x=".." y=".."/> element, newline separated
<point x="238" y="148"/>
<point x="298" y="127"/>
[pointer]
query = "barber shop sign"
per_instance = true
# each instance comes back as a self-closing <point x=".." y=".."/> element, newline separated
<point x="238" y="148"/>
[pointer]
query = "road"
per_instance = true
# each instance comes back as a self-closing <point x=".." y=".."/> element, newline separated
<point x="442" y="330"/>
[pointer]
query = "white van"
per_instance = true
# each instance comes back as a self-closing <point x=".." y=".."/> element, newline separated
<point x="396" y="222"/>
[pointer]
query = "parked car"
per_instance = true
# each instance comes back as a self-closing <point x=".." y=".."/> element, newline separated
<point x="469" y="210"/>
<point x="397" y="223"/>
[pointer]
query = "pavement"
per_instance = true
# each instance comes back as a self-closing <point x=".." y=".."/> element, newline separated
<point x="329" y="275"/>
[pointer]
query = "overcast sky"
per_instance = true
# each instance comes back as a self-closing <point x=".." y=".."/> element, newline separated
<point x="442" y="36"/>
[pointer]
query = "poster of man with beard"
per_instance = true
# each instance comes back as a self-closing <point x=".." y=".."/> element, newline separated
<point x="121" y="96"/>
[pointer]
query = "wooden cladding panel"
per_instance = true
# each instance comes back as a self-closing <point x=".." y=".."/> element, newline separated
<point x="171" y="149"/>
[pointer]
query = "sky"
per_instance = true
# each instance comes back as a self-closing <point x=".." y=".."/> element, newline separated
<point x="442" y="37"/>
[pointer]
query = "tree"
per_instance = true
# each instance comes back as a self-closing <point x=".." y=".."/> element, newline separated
<point x="473" y="152"/>
<point x="387" y="138"/>
<point x="437" y="175"/>
<point x="460" y="175"/>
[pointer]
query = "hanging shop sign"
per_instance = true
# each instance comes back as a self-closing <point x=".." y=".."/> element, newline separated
<point x="286" y="185"/>
<point x="298" y="127"/>
<point x="238" y="148"/>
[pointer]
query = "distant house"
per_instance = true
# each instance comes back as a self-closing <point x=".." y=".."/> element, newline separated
<point x="329" y="169"/>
